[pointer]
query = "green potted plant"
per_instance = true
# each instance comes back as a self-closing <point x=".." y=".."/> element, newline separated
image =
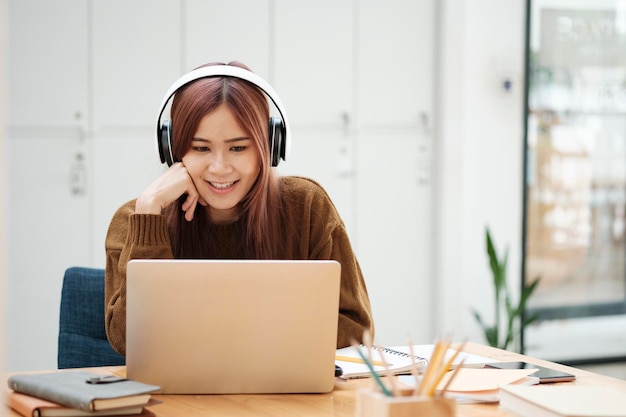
<point x="502" y="334"/>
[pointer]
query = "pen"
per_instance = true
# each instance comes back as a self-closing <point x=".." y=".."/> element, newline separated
<point x="105" y="379"/>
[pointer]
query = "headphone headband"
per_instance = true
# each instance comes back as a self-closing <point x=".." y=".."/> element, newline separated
<point x="228" y="71"/>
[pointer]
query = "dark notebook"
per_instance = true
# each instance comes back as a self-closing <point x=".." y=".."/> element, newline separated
<point x="73" y="389"/>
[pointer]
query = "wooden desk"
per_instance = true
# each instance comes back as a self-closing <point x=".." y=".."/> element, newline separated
<point x="340" y="402"/>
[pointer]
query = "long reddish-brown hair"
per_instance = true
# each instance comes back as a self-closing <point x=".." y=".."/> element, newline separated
<point x="260" y="209"/>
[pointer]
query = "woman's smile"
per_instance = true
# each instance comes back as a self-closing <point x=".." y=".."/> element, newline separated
<point x="222" y="185"/>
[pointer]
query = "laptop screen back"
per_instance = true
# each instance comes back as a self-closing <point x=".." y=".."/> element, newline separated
<point x="232" y="326"/>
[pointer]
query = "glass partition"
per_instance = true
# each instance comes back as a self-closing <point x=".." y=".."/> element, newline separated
<point x="575" y="179"/>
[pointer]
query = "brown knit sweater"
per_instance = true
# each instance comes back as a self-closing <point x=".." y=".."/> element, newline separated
<point x="313" y="230"/>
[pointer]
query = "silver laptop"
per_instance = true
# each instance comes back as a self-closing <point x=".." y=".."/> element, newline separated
<point x="232" y="326"/>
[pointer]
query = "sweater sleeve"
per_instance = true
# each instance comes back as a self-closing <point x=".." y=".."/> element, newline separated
<point x="355" y="314"/>
<point x="328" y="239"/>
<point x="130" y="236"/>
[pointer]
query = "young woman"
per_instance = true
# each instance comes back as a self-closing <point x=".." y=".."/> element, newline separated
<point x="223" y="200"/>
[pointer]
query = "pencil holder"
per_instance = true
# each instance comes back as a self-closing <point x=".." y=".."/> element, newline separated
<point x="370" y="403"/>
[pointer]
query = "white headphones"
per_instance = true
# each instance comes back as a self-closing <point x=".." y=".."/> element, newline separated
<point x="279" y="131"/>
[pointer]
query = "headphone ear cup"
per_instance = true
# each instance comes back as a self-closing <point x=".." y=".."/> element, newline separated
<point x="276" y="140"/>
<point x="165" y="143"/>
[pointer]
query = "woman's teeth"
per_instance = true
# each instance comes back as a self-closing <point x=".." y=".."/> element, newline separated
<point x="222" y="185"/>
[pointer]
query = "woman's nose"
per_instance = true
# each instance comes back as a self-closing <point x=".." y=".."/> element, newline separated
<point x="219" y="163"/>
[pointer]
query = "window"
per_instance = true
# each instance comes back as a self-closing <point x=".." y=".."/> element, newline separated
<point x="575" y="179"/>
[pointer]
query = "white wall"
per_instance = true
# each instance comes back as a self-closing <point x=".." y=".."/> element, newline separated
<point x="478" y="155"/>
<point x="2" y="181"/>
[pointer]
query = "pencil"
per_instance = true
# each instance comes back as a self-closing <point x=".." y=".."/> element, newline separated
<point x="456" y="371"/>
<point x="434" y="367"/>
<point x="413" y="367"/>
<point x="388" y="373"/>
<point x="367" y="342"/>
<point x="445" y="369"/>
<point x="358" y="360"/>
<point x="382" y="386"/>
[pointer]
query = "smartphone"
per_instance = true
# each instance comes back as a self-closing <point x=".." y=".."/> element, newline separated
<point x="544" y="374"/>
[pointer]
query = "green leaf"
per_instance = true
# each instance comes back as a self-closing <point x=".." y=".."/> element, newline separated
<point x="529" y="320"/>
<point x="491" y="334"/>
<point x="480" y="320"/>
<point x="515" y="320"/>
<point x="528" y="290"/>
<point x="493" y="262"/>
<point x="497" y="266"/>
<point x="503" y="265"/>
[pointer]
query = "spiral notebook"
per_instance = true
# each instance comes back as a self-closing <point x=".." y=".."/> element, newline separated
<point x="350" y="362"/>
<point x="398" y="360"/>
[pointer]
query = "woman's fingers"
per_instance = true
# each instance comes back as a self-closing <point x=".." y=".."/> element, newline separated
<point x="189" y="206"/>
<point x="166" y="189"/>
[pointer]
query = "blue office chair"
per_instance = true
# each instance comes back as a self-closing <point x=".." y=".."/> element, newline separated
<point x="82" y="336"/>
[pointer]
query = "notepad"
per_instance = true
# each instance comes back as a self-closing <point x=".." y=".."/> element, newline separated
<point x="397" y="362"/>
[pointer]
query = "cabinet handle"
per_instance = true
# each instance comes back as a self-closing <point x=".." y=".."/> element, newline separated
<point x="424" y="121"/>
<point x="345" y="122"/>
<point x="78" y="176"/>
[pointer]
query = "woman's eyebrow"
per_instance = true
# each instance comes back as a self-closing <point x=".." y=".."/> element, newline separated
<point x="240" y="139"/>
<point x="237" y="139"/>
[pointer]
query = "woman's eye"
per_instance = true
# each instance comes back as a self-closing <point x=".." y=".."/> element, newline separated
<point x="201" y="148"/>
<point x="238" y="148"/>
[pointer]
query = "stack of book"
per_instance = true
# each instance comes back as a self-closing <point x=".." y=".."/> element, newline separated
<point x="78" y="393"/>
<point x="563" y="400"/>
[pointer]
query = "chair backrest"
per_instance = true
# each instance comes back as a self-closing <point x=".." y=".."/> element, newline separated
<point x="82" y="336"/>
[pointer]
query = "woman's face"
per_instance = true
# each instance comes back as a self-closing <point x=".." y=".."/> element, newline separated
<point x="223" y="163"/>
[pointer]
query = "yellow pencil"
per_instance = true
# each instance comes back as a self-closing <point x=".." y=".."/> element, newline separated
<point x="414" y="368"/>
<point x="444" y="370"/>
<point x="434" y="367"/>
<point x="357" y="360"/>
<point x="454" y="374"/>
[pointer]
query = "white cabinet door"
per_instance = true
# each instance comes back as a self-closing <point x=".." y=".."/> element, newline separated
<point x="356" y="78"/>
<point x="137" y="53"/>
<point x="46" y="63"/>
<point x="393" y="224"/>
<point x="393" y="172"/>
<point x="313" y="60"/>
<point x="47" y="208"/>
<point x="313" y="73"/>
<point x="396" y="41"/>
<point x="223" y="31"/>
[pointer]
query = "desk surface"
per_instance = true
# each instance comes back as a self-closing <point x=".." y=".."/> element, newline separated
<point x="339" y="402"/>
